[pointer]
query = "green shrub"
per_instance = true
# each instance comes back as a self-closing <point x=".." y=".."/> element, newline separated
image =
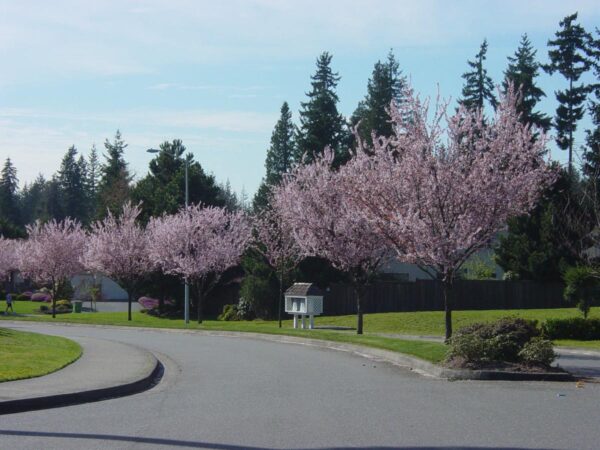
<point x="229" y="313"/>
<point x="576" y="328"/>
<point x="244" y="309"/>
<point x="22" y="297"/>
<point x="44" y="308"/>
<point x="581" y="287"/>
<point x="62" y="309"/>
<point x="496" y="342"/>
<point x="538" y="352"/>
<point x="63" y="302"/>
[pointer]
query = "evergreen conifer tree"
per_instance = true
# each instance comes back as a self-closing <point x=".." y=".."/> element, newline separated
<point x="114" y="185"/>
<point x="522" y="71"/>
<point x="478" y="87"/>
<point x="385" y="85"/>
<point x="280" y="154"/>
<point x="71" y="178"/>
<point x="321" y="124"/>
<point x="591" y="155"/>
<point x="568" y="56"/>
<point x="9" y="201"/>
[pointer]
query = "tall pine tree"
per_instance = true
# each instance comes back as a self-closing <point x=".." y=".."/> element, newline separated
<point x="280" y="157"/>
<point x="9" y="201"/>
<point x="113" y="188"/>
<point x="522" y="71"/>
<point x="321" y="125"/>
<point x="478" y="87"/>
<point x="385" y="85"/>
<point x="591" y="155"/>
<point x="71" y="178"/>
<point x="568" y="56"/>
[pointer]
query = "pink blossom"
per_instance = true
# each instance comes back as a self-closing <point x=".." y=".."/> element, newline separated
<point x="118" y="248"/>
<point x="198" y="244"/>
<point x="52" y="253"/>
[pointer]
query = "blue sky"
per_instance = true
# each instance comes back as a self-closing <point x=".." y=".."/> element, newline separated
<point x="214" y="74"/>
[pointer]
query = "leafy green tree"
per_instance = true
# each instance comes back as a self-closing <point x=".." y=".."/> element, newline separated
<point x="478" y="87"/>
<point x="9" y="189"/>
<point x="385" y="85"/>
<point x="568" y="56"/>
<point x="321" y="125"/>
<point x="542" y="245"/>
<point x="582" y="287"/>
<point x="114" y="185"/>
<point x="53" y="200"/>
<point x="522" y="71"/>
<point x="162" y="190"/>
<point x="72" y="179"/>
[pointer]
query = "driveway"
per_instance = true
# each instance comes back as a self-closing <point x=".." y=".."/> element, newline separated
<point x="237" y="393"/>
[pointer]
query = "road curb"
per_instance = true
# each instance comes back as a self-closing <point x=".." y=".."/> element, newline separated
<point x="402" y="360"/>
<point x="93" y="395"/>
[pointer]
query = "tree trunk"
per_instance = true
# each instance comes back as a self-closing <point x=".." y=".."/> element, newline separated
<point x="448" y="307"/>
<point x="280" y="297"/>
<point x="128" y="305"/>
<point x="53" y="293"/>
<point x="200" y="306"/>
<point x="359" y="312"/>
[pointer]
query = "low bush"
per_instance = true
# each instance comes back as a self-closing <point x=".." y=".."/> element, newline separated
<point x="576" y="328"/>
<point x="500" y="342"/>
<point x="63" y="302"/>
<point x="538" y="352"/>
<point x="62" y="309"/>
<point x="244" y="309"/>
<point x="23" y="297"/>
<point x="229" y="313"/>
<point x="41" y="297"/>
<point x="44" y="308"/>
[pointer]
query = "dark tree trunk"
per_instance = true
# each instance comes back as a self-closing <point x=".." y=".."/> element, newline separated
<point x="129" y="305"/>
<point x="448" y="307"/>
<point x="280" y="298"/>
<point x="200" y="295"/>
<point x="53" y="293"/>
<point x="359" y="312"/>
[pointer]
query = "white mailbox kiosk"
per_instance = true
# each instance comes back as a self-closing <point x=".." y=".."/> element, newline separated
<point x="304" y="299"/>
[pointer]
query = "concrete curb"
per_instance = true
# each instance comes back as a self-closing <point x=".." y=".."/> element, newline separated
<point x="93" y="395"/>
<point x="402" y="360"/>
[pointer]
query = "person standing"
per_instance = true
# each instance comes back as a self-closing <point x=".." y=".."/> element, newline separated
<point x="9" y="304"/>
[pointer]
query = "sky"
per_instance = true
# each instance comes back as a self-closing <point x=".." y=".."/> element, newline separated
<point x="215" y="74"/>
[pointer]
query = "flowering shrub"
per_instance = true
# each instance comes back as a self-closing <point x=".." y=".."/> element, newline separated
<point x="149" y="303"/>
<point x="41" y="297"/>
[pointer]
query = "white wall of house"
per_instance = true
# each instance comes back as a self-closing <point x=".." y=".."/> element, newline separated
<point x="109" y="290"/>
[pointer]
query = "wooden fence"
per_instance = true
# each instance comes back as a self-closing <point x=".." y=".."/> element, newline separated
<point x="427" y="295"/>
<point x="423" y="295"/>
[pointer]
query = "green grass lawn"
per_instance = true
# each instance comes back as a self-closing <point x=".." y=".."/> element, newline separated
<point x="27" y="355"/>
<point x="426" y="323"/>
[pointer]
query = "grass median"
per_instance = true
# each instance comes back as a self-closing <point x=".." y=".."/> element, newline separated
<point x="28" y="355"/>
<point x="422" y="323"/>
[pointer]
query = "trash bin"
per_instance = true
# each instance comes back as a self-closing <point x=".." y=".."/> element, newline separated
<point x="77" y="307"/>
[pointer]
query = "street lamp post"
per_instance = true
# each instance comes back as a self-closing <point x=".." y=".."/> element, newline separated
<point x="186" y="301"/>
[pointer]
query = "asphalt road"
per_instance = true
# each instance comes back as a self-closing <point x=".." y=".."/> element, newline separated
<point x="237" y="393"/>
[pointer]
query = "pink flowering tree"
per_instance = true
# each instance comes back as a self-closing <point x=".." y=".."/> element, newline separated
<point x="52" y="253"/>
<point x="9" y="261"/>
<point x="274" y="239"/>
<point x="118" y="248"/>
<point x="313" y="203"/>
<point x="441" y="189"/>
<point x="198" y="244"/>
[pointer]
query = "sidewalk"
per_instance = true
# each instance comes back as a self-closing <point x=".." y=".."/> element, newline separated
<point x="105" y="369"/>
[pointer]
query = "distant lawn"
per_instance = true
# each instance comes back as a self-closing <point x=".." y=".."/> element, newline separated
<point x="27" y="355"/>
<point x="425" y="323"/>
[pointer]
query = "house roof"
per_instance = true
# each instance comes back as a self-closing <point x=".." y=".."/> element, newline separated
<point x="303" y="290"/>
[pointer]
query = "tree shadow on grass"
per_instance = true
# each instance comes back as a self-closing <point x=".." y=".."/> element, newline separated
<point x="212" y="445"/>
